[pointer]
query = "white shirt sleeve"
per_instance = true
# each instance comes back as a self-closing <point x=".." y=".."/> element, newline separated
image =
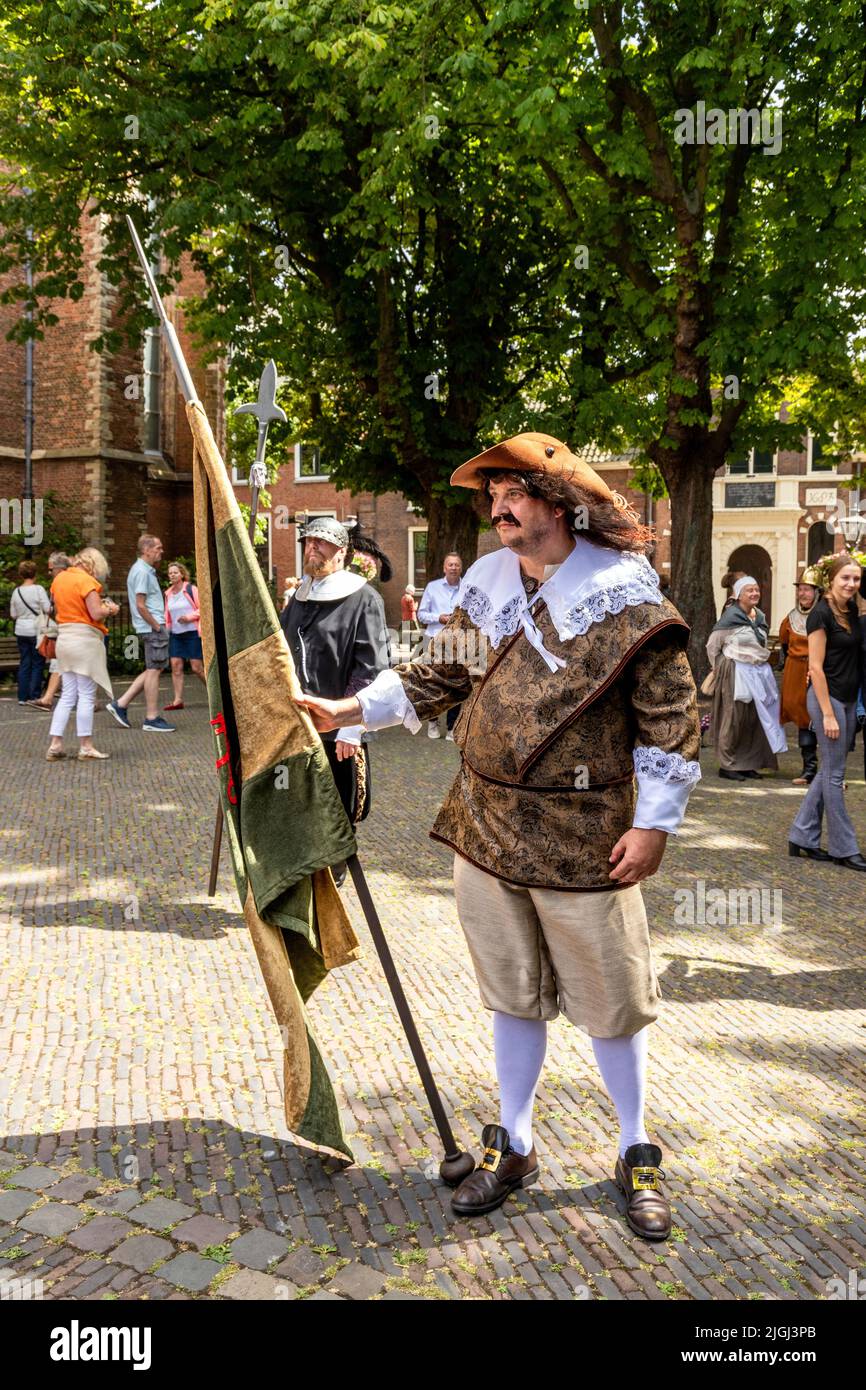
<point x="384" y="703"/>
<point x="351" y="734"/>
<point x="665" y="782"/>
<point x="428" y="611"/>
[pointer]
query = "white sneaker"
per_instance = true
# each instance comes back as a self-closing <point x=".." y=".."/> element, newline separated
<point x="449" y="737"/>
<point x="433" y="729"/>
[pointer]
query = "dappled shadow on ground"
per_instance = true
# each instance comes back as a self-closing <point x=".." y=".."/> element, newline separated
<point x="183" y="916"/>
<point x="694" y="980"/>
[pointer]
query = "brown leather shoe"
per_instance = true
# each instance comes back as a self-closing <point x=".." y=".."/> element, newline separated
<point x="500" y="1171"/>
<point x="648" y="1212"/>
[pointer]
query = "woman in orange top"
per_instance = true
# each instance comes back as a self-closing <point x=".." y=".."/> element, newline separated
<point x="79" y="610"/>
<point x="409" y="608"/>
<point x="794" y="642"/>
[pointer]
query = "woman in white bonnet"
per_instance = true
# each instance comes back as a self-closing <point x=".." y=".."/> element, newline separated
<point x="745" y="718"/>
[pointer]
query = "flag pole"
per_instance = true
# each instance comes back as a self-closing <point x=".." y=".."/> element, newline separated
<point x="188" y="391"/>
<point x="457" y="1164"/>
<point x="265" y="409"/>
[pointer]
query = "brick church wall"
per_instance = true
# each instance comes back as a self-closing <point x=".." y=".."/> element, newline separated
<point x="88" y="440"/>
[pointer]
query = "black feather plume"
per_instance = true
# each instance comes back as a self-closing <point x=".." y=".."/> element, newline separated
<point x="369" y="547"/>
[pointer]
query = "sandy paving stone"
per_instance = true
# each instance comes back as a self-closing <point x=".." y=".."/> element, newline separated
<point x="252" y="1284"/>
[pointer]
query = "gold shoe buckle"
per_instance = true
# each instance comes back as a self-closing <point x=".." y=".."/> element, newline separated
<point x="645" y="1179"/>
<point x="495" y="1155"/>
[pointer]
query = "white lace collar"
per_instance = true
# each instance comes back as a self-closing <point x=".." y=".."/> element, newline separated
<point x="337" y="585"/>
<point x="593" y="581"/>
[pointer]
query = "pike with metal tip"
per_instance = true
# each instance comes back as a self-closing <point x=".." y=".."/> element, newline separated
<point x="265" y="410"/>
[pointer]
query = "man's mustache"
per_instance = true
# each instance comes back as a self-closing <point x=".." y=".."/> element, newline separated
<point x="505" y="516"/>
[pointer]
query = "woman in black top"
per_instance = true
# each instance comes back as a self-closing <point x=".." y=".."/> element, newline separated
<point x="835" y="656"/>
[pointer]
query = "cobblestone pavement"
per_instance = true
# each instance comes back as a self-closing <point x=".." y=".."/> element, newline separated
<point x="143" y="1152"/>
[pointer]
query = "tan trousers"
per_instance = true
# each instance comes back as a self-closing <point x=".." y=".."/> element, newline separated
<point x="539" y="952"/>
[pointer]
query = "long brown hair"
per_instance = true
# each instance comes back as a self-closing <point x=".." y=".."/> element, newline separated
<point x="838" y="563"/>
<point x="606" y="523"/>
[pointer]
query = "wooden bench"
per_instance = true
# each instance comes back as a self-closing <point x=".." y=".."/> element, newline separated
<point x="8" y="654"/>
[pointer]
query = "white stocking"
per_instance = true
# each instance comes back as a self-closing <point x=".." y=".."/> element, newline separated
<point x="520" y="1045"/>
<point x="623" y="1064"/>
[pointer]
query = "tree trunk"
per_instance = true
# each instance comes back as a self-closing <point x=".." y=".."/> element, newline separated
<point x="449" y="528"/>
<point x="690" y="486"/>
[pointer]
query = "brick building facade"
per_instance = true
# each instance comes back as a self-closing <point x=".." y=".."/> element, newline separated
<point x="775" y="513"/>
<point x="389" y="519"/>
<point x="110" y="438"/>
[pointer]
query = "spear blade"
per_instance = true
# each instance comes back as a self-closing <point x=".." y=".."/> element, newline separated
<point x="265" y="409"/>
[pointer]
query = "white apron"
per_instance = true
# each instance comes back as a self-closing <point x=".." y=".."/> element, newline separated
<point x="754" y="683"/>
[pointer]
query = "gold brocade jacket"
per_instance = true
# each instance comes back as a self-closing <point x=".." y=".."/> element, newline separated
<point x="547" y="778"/>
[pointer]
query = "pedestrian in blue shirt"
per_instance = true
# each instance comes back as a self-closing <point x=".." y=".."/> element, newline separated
<point x="438" y="602"/>
<point x="147" y="610"/>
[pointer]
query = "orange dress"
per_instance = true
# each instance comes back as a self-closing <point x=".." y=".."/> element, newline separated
<point x="408" y="608"/>
<point x="794" y="709"/>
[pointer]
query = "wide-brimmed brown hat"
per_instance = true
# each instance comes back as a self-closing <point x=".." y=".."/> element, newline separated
<point x="532" y="453"/>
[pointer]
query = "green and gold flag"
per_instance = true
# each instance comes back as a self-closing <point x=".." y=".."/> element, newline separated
<point x="283" y="817"/>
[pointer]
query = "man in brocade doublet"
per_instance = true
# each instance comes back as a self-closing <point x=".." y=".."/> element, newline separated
<point x="578" y="739"/>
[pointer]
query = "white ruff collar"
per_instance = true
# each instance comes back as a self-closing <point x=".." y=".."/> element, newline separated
<point x="337" y="585"/>
<point x="593" y="581"/>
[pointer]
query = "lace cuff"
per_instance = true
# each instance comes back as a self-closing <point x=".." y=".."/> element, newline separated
<point x="384" y="702"/>
<point x="665" y="781"/>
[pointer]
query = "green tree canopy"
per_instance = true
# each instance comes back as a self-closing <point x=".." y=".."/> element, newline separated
<point x="451" y="222"/>
<point x="349" y="223"/>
